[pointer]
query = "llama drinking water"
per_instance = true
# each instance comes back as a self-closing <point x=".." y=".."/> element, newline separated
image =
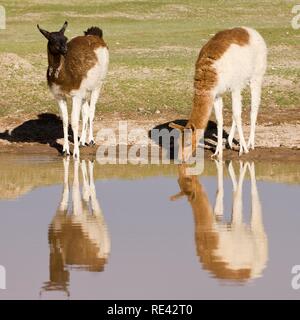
<point x="232" y="251"/>
<point x="227" y="62"/>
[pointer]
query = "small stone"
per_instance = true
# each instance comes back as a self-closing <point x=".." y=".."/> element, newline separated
<point x="157" y="112"/>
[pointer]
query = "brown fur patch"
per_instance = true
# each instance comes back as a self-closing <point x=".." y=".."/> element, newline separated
<point x="206" y="239"/>
<point x="220" y="42"/>
<point x="202" y="106"/>
<point x="205" y="74"/>
<point x="75" y="246"/>
<point x="74" y="66"/>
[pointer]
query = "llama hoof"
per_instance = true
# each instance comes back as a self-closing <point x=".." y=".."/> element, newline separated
<point x="250" y="146"/>
<point x="218" y="153"/>
<point x="228" y="145"/>
<point x="65" y="153"/>
<point x="81" y="144"/>
<point x="217" y="156"/>
<point x="76" y="153"/>
<point x="242" y="151"/>
<point x="92" y="143"/>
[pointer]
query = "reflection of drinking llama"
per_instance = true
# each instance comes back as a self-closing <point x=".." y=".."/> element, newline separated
<point x="78" y="237"/>
<point x="230" y="251"/>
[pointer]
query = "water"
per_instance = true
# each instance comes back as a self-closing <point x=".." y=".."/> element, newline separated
<point x="88" y="231"/>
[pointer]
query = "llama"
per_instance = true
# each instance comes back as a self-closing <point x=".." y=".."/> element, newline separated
<point x="78" y="236"/>
<point x="77" y="69"/>
<point x="227" y="62"/>
<point x="231" y="251"/>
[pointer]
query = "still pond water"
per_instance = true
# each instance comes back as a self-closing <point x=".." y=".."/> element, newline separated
<point x="82" y="230"/>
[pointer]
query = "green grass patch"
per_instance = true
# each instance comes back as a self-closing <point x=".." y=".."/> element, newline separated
<point x="163" y="37"/>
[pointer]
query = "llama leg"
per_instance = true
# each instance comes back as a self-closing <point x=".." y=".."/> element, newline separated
<point x="232" y="176"/>
<point x="259" y="237"/>
<point x="237" y="114"/>
<point x="75" y="123"/>
<point x="218" y="105"/>
<point x="94" y="97"/>
<point x="237" y="205"/>
<point x="85" y="183"/>
<point x="94" y="201"/>
<point x="63" y="207"/>
<point x="76" y="197"/>
<point x="256" y="214"/>
<point x="231" y="133"/>
<point x="85" y="119"/>
<point x="255" y="87"/>
<point x="64" y="115"/>
<point x="219" y="207"/>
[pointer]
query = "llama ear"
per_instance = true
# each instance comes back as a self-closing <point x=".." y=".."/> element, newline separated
<point x="45" y="33"/>
<point x="63" y="29"/>
<point x="176" y="126"/>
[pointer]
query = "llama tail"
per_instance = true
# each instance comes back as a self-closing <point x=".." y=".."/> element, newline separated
<point x="94" y="31"/>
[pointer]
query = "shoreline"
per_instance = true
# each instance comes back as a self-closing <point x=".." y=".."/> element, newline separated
<point x="44" y="136"/>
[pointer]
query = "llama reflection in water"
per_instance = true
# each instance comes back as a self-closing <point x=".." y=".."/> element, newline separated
<point x="78" y="236"/>
<point x="231" y="251"/>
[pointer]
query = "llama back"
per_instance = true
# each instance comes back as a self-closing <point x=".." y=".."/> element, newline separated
<point x="88" y="59"/>
<point x="241" y="63"/>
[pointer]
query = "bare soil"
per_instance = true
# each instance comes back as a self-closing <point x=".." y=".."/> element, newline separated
<point x="277" y="134"/>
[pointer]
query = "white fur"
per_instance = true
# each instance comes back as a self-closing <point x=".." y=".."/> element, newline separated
<point x="238" y="67"/>
<point x="241" y="246"/>
<point x="63" y="108"/>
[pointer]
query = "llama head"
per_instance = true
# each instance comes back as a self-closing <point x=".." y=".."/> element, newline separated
<point x="57" y="41"/>
<point x="187" y="184"/>
<point x="187" y="141"/>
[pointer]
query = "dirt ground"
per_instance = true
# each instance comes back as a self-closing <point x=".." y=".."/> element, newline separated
<point x="278" y="139"/>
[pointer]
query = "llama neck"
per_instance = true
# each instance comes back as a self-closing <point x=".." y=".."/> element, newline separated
<point x="202" y="211"/>
<point x="55" y="64"/>
<point x="202" y="106"/>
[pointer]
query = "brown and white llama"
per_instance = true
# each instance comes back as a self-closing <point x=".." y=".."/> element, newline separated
<point x="77" y="69"/>
<point x="78" y="235"/>
<point x="227" y="62"/>
<point x="232" y="251"/>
